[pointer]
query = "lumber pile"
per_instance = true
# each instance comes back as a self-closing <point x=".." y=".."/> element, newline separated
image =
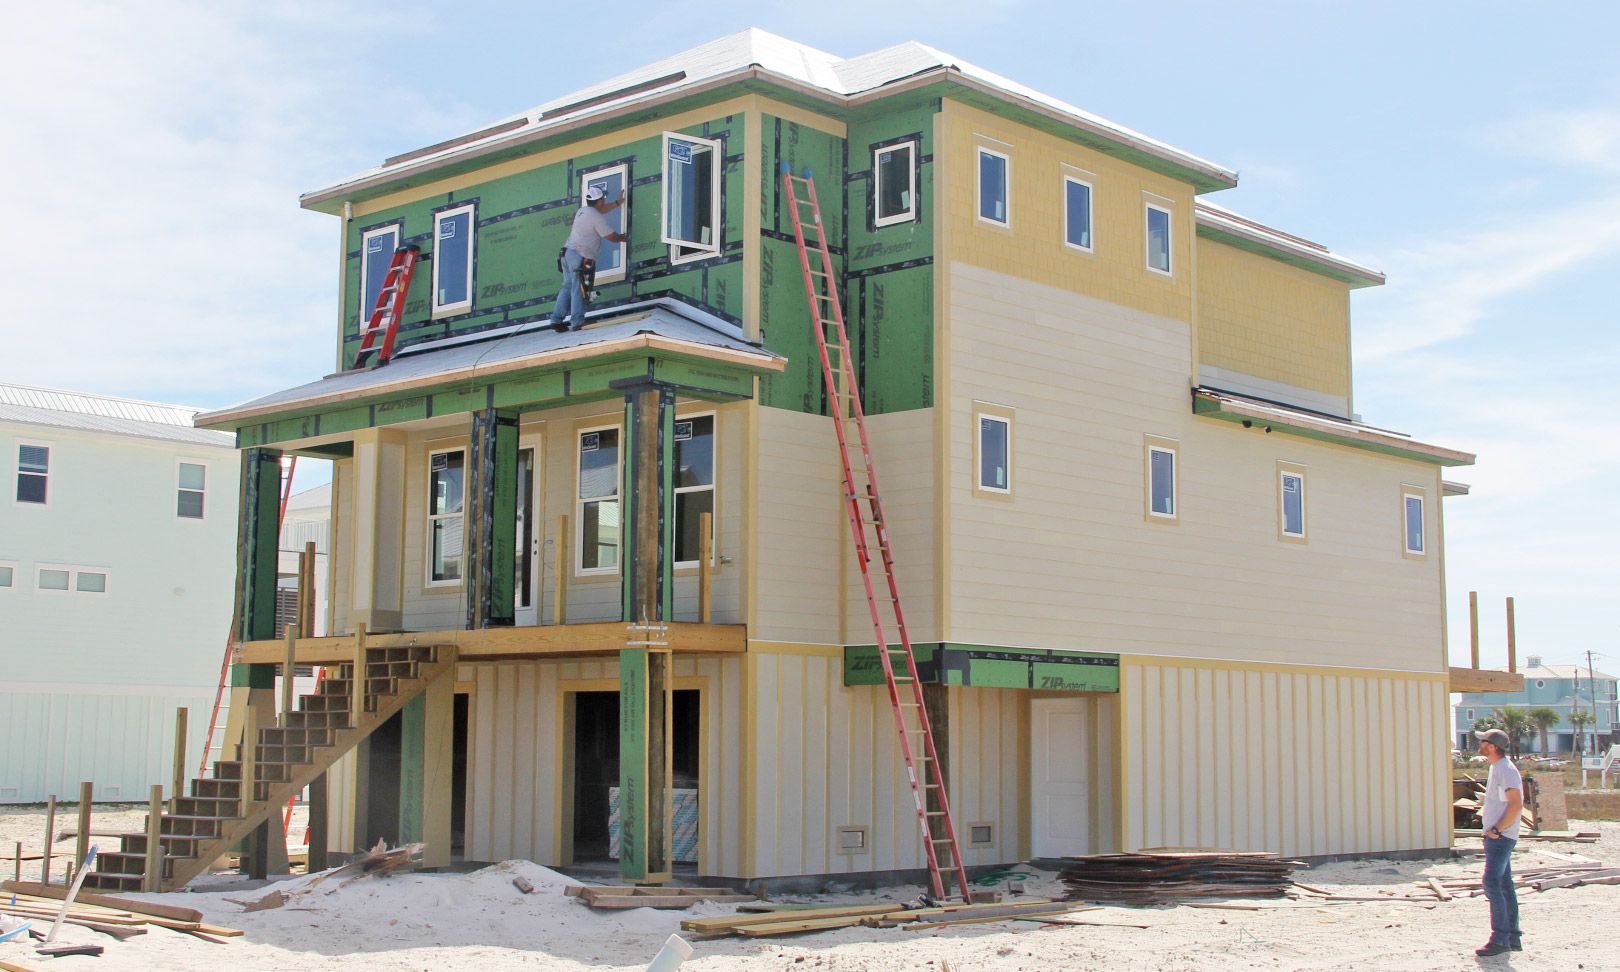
<point x="1577" y="836"/>
<point x="1167" y="878"/>
<point x="669" y="898"/>
<point x="1468" y="798"/>
<point x="793" y="921"/>
<point x="120" y="918"/>
<point x="1539" y="878"/>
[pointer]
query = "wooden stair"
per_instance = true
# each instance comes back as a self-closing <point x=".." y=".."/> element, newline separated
<point x="288" y="757"/>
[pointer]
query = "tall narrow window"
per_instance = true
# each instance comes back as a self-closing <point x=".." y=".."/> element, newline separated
<point x="1158" y="239"/>
<point x="192" y="486"/>
<point x="1291" y="503"/>
<point x="694" y="485"/>
<point x="894" y="184"/>
<point x="610" y="259"/>
<point x="599" y="501"/>
<point x="446" y="486"/>
<point x="993" y="202"/>
<point x="994" y="453"/>
<point x="1077" y="213"/>
<point x="1163" y="500"/>
<point x="377" y="248"/>
<point x="33" y="473"/>
<point x="691" y="196"/>
<point x="453" y="261"/>
<point x="1412" y="516"/>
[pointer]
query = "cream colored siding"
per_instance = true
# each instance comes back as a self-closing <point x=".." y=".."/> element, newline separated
<point x="340" y="793"/>
<point x="342" y="546"/>
<point x="902" y="447"/>
<point x="1301" y="762"/>
<point x="988" y="775"/>
<point x="803" y="533"/>
<point x="1070" y="560"/>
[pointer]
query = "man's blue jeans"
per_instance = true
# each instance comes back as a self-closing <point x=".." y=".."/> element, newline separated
<point x="570" y="302"/>
<point x="1499" y="890"/>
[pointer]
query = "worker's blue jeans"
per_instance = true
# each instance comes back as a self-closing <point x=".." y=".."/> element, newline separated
<point x="1499" y="890"/>
<point x="570" y="302"/>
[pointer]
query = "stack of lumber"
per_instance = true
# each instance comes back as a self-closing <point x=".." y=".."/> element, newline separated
<point x="119" y="917"/>
<point x="1468" y="798"/>
<point x="792" y="921"/>
<point x="1538" y="878"/>
<point x="1166" y="878"/>
<point x="615" y="896"/>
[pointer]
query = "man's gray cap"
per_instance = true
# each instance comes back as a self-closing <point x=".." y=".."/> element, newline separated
<point x="1495" y="737"/>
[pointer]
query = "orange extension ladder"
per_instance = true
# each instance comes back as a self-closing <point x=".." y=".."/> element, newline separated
<point x="861" y="486"/>
<point x="383" y="324"/>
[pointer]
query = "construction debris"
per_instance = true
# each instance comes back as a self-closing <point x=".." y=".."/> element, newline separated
<point x="1577" y="836"/>
<point x="119" y="918"/>
<point x="1166" y="878"/>
<point x="616" y="897"/>
<point x="380" y="861"/>
<point x="798" y="920"/>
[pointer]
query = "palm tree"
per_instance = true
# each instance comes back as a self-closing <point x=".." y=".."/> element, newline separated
<point x="1580" y="719"/>
<point x="1544" y="718"/>
<point x="1516" y="723"/>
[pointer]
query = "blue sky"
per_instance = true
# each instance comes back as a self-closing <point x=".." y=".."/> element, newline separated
<point x="1471" y="152"/>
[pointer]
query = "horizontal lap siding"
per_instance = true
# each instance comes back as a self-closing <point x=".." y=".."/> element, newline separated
<point x="903" y="453"/>
<point x="802" y="530"/>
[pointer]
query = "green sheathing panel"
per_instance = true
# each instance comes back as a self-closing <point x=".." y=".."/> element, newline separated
<point x="1209" y="409"/>
<point x="890" y="276"/>
<point x="522" y="220"/>
<point x="491" y="508"/>
<point x="633" y="732"/>
<point x="412" y="748"/>
<point x="784" y="308"/>
<point x="257" y="543"/>
<point x="988" y="666"/>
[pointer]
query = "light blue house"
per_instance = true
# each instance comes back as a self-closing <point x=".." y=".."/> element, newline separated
<point x="1561" y="688"/>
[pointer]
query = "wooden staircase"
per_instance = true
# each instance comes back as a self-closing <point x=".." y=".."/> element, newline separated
<point x="207" y="824"/>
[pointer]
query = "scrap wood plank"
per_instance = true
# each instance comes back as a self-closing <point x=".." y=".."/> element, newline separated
<point x="12" y="967"/>
<point x="1439" y="891"/>
<point x="1049" y="912"/>
<point x="1570" y="880"/>
<point x="796" y="925"/>
<point x="608" y="896"/>
<point x="724" y="922"/>
<point x="1064" y="920"/>
<point x="107" y="901"/>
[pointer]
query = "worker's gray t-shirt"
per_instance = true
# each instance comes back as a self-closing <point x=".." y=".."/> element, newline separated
<point x="590" y="229"/>
<point x="1504" y="776"/>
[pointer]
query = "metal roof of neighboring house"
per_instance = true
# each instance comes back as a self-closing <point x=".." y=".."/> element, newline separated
<point x="318" y="498"/>
<point x="104" y="413"/>
<point x="1562" y="671"/>
<point x="758" y="54"/>
<point x="662" y="324"/>
<point x="1229" y="227"/>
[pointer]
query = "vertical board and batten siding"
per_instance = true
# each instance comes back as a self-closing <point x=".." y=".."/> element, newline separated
<point x="515" y="789"/>
<point x="340" y="605"/>
<point x="340" y="794"/>
<point x="1299" y="762"/>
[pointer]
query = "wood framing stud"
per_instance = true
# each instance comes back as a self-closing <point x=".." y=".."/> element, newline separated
<point x="705" y="570"/>
<point x="1473" y="628"/>
<point x="81" y="846"/>
<point x="154" y="840"/>
<point x="559" y="590"/>
<point x="1513" y="654"/>
<point x="287" y="670"/>
<point x="357" y="684"/>
<point x="181" y="717"/>
<point x="50" y="840"/>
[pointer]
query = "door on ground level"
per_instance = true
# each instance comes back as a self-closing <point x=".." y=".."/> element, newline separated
<point x="526" y="569"/>
<point x="1060" y="779"/>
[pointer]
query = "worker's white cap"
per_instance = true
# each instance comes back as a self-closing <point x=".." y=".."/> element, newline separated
<point x="594" y="193"/>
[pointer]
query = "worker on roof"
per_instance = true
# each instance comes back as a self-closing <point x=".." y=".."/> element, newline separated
<point x="578" y="258"/>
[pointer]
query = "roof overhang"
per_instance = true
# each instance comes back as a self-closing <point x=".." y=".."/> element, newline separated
<point x="1274" y="417"/>
<point x="1245" y="234"/>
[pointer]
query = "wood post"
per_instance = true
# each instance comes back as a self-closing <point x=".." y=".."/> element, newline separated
<point x="247" y="753"/>
<point x="705" y="571"/>
<point x="306" y="591"/>
<point x="154" y="840"/>
<point x="1473" y="629"/>
<point x="357" y="686"/>
<point x="181" y="717"/>
<point x="288" y="667"/>
<point x="81" y="847"/>
<point x="559" y="591"/>
<point x="1513" y="652"/>
<point x="17" y="874"/>
<point x="50" y="840"/>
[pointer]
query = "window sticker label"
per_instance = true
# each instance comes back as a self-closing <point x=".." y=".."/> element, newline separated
<point x="374" y="245"/>
<point x="680" y="151"/>
<point x="441" y="461"/>
<point x="590" y="442"/>
<point x="683" y="431"/>
<point x="447" y="229"/>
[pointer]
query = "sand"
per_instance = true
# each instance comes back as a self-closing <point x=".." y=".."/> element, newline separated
<point x="478" y="920"/>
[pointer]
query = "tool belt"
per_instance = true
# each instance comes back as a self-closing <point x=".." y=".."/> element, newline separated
<point x="587" y="274"/>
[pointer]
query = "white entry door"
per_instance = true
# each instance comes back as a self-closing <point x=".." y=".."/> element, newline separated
<point x="1061" y="776"/>
<point x="526" y="570"/>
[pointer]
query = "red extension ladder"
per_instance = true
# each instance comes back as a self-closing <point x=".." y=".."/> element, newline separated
<point x="893" y="641"/>
<point x="383" y="324"/>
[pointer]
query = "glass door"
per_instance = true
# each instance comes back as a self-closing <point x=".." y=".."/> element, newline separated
<point x="526" y="572"/>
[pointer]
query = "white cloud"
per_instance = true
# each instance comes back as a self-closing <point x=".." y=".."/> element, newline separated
<point x="1583" y="138"/>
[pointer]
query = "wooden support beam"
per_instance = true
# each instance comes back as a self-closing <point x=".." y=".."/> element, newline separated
<point x="357" y="685"/>
<point x="154" y="841"/>
<point x="559" y="590"/>
<point x="1513" y="655"/>
<point x="50" y="840"/>
<point x="705" y="569"/>
<point x="1473" y="629"/>
<point x="81" y="847"/>
<point x="490" y="644"/>
<point x="1484" y="680"/>
<point x="288" y="667"/>
<point x="306" y="591"/>
<point x="181" y="717"/>
<point x="247" y="752"/>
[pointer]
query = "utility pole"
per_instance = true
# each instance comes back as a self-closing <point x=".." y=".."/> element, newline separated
<point x="1591" y="688"/>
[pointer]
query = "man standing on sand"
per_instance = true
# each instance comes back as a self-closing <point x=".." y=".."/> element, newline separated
<point x="1504" y="798"/>
<point x="579" y="256"/>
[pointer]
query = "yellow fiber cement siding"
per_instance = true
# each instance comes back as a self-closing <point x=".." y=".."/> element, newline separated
<point x="1265" y="318"/>
<point x="1297" y="761"/>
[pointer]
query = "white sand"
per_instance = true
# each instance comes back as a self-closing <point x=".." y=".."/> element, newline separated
<point x="451" y="922"/>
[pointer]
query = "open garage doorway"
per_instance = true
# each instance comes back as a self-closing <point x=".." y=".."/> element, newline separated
<point x="591" y="827"/>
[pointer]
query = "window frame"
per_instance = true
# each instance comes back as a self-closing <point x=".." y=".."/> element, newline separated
<point x="622" y="170"/>
<point x="1006" y="186"/>
<point x="18" y="473"/>
<point x="713" y="488"/>
<point x="1285" y="471"/>
<point x="1152" y="444"/>
<point x="397" y="228"/>
<point x="580" y="570"/>
<point x="73" y="572"/>
<point x="990" y="412"/>
<point x="178" y="489"/>
<point x="1091" y="210"/>
<point x="912" y="210"/>
<point x="429" y="517"/>
<point x="439" y="216"/>
<point x="1155" y="205"/>
<point x="698" y="251"/>
<point x="1410" y="492"/>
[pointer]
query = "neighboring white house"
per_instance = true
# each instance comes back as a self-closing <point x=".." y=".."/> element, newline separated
<point x="117" y="558"/>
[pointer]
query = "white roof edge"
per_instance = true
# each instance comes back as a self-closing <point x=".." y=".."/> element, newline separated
<point x="1262" y="410"/>
<point x="1230" y="222"/>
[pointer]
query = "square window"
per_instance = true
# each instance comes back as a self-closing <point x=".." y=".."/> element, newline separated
<point x="894" y="184"/>
<point x="993" y="202"/>
<point x="995" y="453"/>
<point x="1161" y="480"/>
<point x="192" y="478"/>
<point x="1077" y="213"/>
<point x="1158" y="239"/>
<point x="446" y="486"/>
<point x="691" y="196"/>
<point x="610" y="259"/>
<point x="33" y="473"/>
<point x="694" y="485"/>
<point x="1291" y="504"/>
<point x="598" y="501"/>
<point x="1412" y="506"/>
<point x="453" y="231"/>
<point x="377" y="248"/>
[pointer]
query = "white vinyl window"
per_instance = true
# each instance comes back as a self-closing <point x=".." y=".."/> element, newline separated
<point x="994" y="178"/>
<point x="1077" y="213"/>
<point x="1412" y="521"/>
<point x="894" y="184"/>
<point x="445" y="524"/>
<point x="694" y="486"/>
<point x="377" y="248"/>
<point x="691" y="196"/>
<point x="611" y="258"/>
<point x="453" y="232"/>
<point x="994" y="451"/>
<point x="191" y="482"/>
<point x="8" y="574"/>
<point x="1158" y="239"/>
<point x="1291" y="503"/>
<point x="1163" y="500"/>
<point x="68" y="579"/>
<point x="597" y="501"/>
<point x="33" y="473"/>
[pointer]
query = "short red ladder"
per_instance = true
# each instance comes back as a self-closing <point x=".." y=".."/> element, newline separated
<point x="383" y="324"/>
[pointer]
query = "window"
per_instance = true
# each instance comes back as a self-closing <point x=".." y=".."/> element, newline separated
<point x="610" y="259"/>
<point x="1290" y="501"/>
<point x="993" y="452"/>
<point x="1412" y="520"/>
<point x="1470" y="716"/>
<point x="694" y="485"/>
<point x="1077" y="213"/>
<point x="191" y="478"/>
<point x="1162" y="499"/>
<point x="377" y="248"/>
<point x="598" y="501"/>
<point x="691" y="196"/>
<point x="993" y="202"/>
<point x="1158" y="239"/>
<point x="71" y="580"/>
<point x="894" y="184"/>
<point x="33" y="472"/>
<point x="8" y="575"/>
<point x="453" y="260"/>
<point x="446" y="482"/>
